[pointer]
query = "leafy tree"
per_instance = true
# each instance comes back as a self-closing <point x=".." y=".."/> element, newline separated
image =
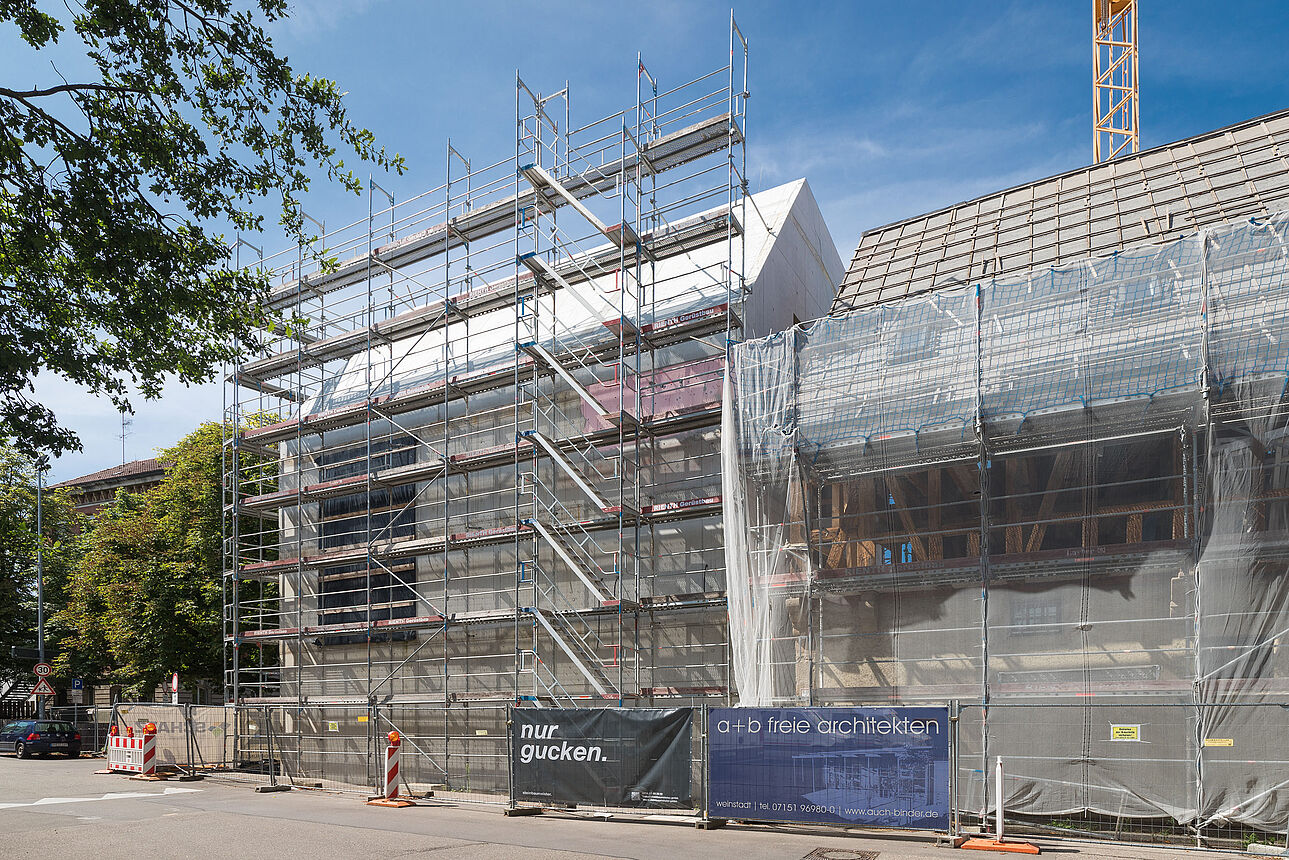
<point x="62" y="550"/>
<point x="112" y="189"/>
<point x="146" y="600"/>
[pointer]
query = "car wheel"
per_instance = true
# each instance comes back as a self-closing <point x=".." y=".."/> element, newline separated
<point x="20" y="750"/>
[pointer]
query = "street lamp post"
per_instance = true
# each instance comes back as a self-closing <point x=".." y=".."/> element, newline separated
<point x="42" y="463"/>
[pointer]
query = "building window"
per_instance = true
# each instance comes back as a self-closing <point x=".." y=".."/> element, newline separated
<point x="344" y="601"/>
<point x="344" y="521"/>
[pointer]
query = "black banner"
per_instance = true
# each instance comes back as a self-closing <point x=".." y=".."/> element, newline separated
<point x="602" y="756"/>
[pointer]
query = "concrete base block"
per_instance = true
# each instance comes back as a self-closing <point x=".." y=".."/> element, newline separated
<point x="524" y="810"/>
<point x="711" y="823"/>
<point x="267" y="788"/>
<point x="425" y="789"/>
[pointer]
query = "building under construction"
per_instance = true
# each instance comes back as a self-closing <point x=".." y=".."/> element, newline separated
<point x="481" y="468"/>
<point x="1035" y="462"/>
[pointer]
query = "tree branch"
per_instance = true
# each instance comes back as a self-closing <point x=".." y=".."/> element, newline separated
<point x="21" y="95"/>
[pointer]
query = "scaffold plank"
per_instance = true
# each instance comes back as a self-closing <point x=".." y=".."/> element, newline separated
<point x="417" y="397"/>
<point x="467" y="619"/>
<point x="686" y="235"/>
<point x="673" y="150"/>
<point x="663" y="512"/>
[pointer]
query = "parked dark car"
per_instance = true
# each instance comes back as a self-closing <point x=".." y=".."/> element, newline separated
<point x="27" y="737"/>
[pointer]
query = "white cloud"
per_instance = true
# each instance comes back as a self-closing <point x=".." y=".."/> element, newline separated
<point x="311" y="18"/>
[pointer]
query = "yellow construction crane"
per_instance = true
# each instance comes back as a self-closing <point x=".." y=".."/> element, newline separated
<point x="1115" y="106"/>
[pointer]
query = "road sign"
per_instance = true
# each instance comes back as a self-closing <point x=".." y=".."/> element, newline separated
<point x="44" y="688"/>
<point x="43" y="670"/>
<point x="17" y="652"/>
<point x="78" y="684"/>
<point x="76" y="697"/>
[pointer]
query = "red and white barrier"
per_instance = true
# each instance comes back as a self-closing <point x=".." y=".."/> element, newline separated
<point x="391" y="770"/>
<point x="389" y="797"/>
<point x="131" y="754"/>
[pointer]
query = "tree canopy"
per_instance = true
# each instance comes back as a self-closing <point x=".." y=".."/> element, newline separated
<point x="114" y="190"/>
<point x="145" y="600"/>
<point x="62" y="550"/>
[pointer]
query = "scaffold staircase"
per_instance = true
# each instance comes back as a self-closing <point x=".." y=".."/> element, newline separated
<point x="575" y="473"/>
<point x="622" y="234"/>
<point x="578" y="561"/>
<point x="577" y="409"/>
<point x="542" y="355"/>
<point x="577" y="648"/>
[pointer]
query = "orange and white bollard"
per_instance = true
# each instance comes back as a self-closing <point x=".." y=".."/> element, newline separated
<point x="390" y="795"/>
<point x="149" y="750"/>
<point x="391" y="765"/>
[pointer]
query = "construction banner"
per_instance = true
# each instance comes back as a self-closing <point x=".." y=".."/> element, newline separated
<point x="886" y="767"/>
<point x="603" y="756"/>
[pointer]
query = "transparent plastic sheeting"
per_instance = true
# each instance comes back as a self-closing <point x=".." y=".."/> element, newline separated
<point x="1068" y="489"/>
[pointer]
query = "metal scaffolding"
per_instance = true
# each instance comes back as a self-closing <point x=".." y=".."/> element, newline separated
<point x="476" y="468"/>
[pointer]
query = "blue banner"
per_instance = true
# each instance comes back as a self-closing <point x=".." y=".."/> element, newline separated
<point x="886" y="767"/>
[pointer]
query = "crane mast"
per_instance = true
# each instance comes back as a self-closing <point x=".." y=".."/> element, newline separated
<point x="1115" y="103"/>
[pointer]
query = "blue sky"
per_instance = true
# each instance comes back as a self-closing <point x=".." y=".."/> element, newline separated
<point x="889" y="109"/>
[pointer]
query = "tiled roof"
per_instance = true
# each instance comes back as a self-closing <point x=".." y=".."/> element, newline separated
<point x="1156" y="195"/>
<point x="135" y="469"/>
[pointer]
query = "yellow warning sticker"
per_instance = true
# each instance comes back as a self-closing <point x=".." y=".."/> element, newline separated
<point x="1219" y="742"/>
<point x="333" y="726"/>
<point x="480" y="731"/>
<point x="363" y="718"/>
<point x="1125" y="732"/>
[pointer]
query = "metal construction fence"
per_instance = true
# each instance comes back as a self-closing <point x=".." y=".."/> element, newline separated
<point x="1199" y="774"/>
<point x="1131" y="756"/>
<point x="91" y="721"/>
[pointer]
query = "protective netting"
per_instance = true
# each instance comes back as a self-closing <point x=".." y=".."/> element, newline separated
<point x="1063" y="495"/>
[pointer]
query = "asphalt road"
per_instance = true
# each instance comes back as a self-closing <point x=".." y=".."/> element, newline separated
<point x="59" y="808"/>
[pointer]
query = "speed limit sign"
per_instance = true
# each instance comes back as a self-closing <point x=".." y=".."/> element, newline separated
<point x="43" y="670"/>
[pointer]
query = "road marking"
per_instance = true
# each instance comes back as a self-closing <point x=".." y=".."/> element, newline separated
<point x="114" y="795"/>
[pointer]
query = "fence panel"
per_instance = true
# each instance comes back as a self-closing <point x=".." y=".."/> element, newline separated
<point x="90" y="720"/>
<point x="1185" y="773"/>
<point x="461" y="752"/>
<point x="211" y="728"/>
<point x="173" y="744"/>
<point x="328" y="747"/>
